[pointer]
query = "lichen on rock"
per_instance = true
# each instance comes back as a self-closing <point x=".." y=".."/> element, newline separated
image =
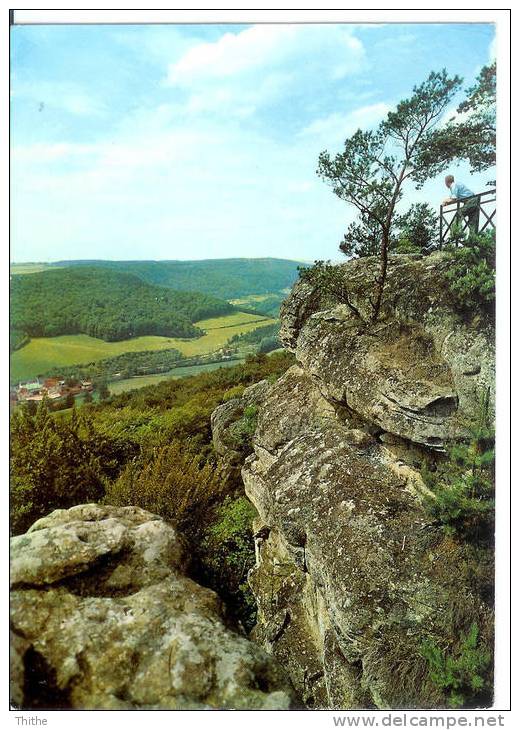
<point x="105" y="618"/>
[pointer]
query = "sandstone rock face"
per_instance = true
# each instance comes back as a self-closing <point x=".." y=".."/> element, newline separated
<point x="419" y="373"/>
<point x="104" y="618"/>
<point x="351" y="573"/>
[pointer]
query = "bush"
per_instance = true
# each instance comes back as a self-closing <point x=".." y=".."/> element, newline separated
<point x="228" y="553"/>
<point x="471" y="276"/>
<point x="413" y="232"/>
<point x="463" y="487"/>
<point x="331" y="281"/>
<point x="461" y="677"/>
<point x="171" y="481"/>
<point x="417" y="230"/>
<point x="54" y="464"/>
<point x="242" y="431"/>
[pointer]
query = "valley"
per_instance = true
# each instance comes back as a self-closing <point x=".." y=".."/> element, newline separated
<point x="42" y="354"/>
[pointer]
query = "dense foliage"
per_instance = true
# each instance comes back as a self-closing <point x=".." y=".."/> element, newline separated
<point x="417" y="230"/>
<point x="153" y="448"/>
<point x="224" y="278"/>
<point x="463" y="487"/>
<point x="412" y="232"/>
<point x="471" y="134"/>
<point x="110" y="305"/>
<point x="463" y="676"/>
<point x="471" y="275"/>
<point x="268" y="306"/>
<point x="57" y="464"/>
<point x="331" y="281"/>
<point x="169" y="481"/>
<point x="228" y="552"/>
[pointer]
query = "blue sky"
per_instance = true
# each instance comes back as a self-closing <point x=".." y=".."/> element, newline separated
<point x="201" y="141"/>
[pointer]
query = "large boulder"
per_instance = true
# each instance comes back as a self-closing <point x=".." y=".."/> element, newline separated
<point x="104" y="618"/>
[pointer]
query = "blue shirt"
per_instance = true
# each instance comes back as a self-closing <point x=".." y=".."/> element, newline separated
<point x="459" y="190"/>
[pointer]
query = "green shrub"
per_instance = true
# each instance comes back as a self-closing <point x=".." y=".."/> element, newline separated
<point x="331" y="281"/>
<point x="471" y="275"/>
<point x="404" y="245"/>
<point x="463" y="487"/>
<point x="242" y="431"/>
<point x="56" y="464"/>
<point x="417" y="230"/>
<point x="462" y="677"/>
<point x="227" y="554"/>
<point x="170" y="481"/>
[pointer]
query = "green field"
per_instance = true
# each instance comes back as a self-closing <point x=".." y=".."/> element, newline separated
<point x="45" y="353"/>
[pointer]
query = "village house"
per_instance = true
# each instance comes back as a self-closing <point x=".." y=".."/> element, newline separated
<point x="51" y="388"/>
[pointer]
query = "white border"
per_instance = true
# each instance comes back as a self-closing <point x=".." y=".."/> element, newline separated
<point x="364" y="14"/>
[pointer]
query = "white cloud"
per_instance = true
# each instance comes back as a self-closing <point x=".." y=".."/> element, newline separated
<point x="264" y="47"/>
<point x="241" y="70"/>
<point x="162" y="190"/>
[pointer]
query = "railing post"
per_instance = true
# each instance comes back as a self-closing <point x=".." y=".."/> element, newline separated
<point x="445" y="227"/>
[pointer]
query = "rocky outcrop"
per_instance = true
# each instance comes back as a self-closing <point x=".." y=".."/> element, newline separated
<point x="352" y="575"/>
<point x="419" y="373"/>
<point x="103" y="617"/>
<point x="229" y="443"/>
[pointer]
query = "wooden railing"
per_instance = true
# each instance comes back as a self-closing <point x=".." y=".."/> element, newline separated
<point x="453" y="213"/>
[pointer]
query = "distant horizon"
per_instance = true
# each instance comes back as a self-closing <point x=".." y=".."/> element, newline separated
<point x="213" y="258"/>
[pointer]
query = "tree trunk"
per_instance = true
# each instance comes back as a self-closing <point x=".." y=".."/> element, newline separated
<point x="381" y="279"/>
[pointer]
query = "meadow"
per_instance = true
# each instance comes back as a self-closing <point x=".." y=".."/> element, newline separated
<point x="45" y="353"/>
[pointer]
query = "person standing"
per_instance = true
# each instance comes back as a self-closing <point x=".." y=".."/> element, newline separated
<point x="470" y="209"/>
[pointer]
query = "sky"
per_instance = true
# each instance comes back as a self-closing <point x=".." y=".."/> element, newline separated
<point x="202" y="141"/>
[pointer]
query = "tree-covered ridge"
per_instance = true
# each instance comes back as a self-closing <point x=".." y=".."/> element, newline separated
<point x="110" y="305"/>
<point x="224" y="278"/>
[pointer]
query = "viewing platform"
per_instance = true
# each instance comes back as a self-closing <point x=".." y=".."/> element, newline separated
<point x="452" y="212"/>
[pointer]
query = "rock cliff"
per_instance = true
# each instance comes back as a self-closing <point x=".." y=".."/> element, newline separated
<point x="103" y="617"/>
<point x="352" y="574"/>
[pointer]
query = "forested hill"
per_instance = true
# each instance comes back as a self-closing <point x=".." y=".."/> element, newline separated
<point x="225" y="278"/>
<point x="110" y="305"/>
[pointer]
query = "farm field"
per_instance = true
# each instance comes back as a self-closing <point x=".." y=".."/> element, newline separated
<point x="44" y="353"/>
<point x="257" y="298"/>
<point x="232" y="320"/>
